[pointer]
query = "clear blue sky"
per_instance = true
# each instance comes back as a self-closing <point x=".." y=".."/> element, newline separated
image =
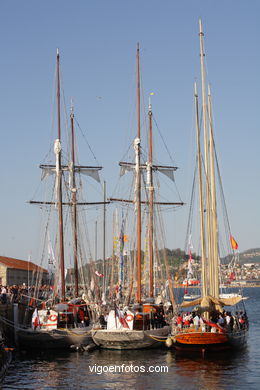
<point x="97" y="41"/>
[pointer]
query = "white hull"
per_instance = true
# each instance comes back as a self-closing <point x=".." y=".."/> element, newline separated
<point x="190" y="297"/>
<point x="129" y="339"/>
<point x="231" y="295"/>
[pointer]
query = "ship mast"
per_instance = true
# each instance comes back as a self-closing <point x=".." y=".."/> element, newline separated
<point x="202" y="224"/>
<point x="151" y="197"/>
<point x="215" y="251"/>
<point x="138" y="168"/>
<point x="58" y="169"/>
<point x="74" y="205"/>
<point x="111" y="291"/>
<point x="57" y="148"/>
<point x="138" y="181"/>
<point x="104" y="240"/>
<point x="206" y="156"/>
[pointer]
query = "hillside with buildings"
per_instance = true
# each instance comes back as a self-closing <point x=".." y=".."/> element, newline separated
<point x="250" y="256"/>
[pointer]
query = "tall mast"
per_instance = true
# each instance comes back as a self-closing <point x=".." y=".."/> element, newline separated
<point x="57" y="149"/>
<point x="215" y="251"/>
<point x="206" y="152"/>
<point x="74" y="205"/>
<point x="202" y="227"/>
<point x="151" y="196"/>
<point x="113" y="260"/>
<point x="138" y="180"/>
<point x="104" y="241"/>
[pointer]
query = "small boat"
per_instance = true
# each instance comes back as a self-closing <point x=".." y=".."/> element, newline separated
<point x="215" y="321"/>
<point x="190" y="297"/>
<point x="232" y="295"/>
<point x="190" y="281"/>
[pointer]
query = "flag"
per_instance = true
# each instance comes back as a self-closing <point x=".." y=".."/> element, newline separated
<point x="234" y="244"/>
<point x="214" y="325"/>
<point x="99" y="274"/>
<point x="35" y="319"/>
<point x="121" y="317"/>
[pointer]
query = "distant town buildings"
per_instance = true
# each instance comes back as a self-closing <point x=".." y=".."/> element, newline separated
<point x="14" y="271"/>
<point x="247" y="271"/>
<point x="238" y="274"/>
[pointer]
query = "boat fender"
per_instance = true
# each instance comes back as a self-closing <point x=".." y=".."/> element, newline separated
<point x="168" y="342"/>
<point x="129" y="317"/>
<point x="90" y="347"/>
<point x="53" y="317"/>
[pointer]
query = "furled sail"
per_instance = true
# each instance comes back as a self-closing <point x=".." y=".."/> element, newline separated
<point x="209" y="300"/>
<point x="166" y="170"/>
<point x="85" y="170"/>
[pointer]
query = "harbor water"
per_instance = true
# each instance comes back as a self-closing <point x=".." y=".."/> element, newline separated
<point x="140" y="370"/>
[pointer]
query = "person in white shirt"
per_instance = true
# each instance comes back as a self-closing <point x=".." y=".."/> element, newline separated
<point x="196" y="322"/>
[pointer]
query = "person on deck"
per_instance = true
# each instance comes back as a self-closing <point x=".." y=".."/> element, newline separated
<point x="3" y="295"/>
<point x="186" y="320"/>
<point x="179" y="321"/>
<point x="196" y="321"/>
<point x="221" y="321"/>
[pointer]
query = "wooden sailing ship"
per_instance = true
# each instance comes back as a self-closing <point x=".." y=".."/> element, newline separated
<point x="134" y="327"/>
<point x="206" y="330"/>
<point x="61" y="322"/>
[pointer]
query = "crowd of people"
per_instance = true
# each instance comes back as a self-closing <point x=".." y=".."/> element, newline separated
<point x="224" y="321"/>
<point x="218" y="321"/>
<point x="21" y="293"/>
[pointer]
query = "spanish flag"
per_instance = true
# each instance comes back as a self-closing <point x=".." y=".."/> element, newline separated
<point x="234" y="244"/>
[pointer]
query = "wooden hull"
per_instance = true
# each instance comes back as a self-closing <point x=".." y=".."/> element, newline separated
<point x="201" y="341"/>
<point x="129" y="339"/>
<point x="53" y="339"/>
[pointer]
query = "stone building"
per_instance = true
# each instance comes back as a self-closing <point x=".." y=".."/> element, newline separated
<point x="14" y="271"/>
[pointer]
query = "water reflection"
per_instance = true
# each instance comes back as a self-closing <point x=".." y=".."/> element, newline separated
<point x="215" y="371"/>
<point x="73" y="370"/>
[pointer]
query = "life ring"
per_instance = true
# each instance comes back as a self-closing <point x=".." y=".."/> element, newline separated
<point x="53" y="317"/>
<point x="129" y="317"/>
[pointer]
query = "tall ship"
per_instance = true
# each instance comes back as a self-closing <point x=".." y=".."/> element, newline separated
<point x="61" y="315"/>
<point x="212" y="321"/>
<point x="137" y="315"/>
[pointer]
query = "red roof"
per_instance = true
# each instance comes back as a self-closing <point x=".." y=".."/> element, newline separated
<point x="9" y="262"/>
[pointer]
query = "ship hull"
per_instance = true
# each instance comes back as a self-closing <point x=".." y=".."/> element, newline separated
<point x="202" y="341"/>
<point x="130" y="339"/>
<point x="53" y="339"/>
